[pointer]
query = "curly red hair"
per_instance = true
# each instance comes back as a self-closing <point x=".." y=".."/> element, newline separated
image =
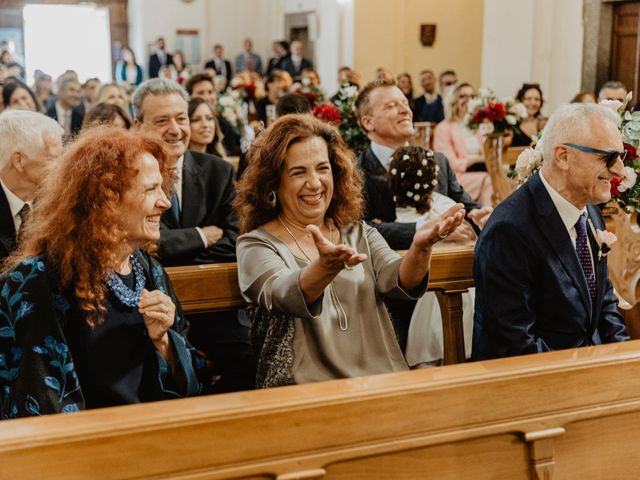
<point x="266" y="162"/>
<point x="75" y="223"/>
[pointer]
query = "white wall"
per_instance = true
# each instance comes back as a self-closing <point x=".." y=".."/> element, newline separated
<point x="536" y="41"/>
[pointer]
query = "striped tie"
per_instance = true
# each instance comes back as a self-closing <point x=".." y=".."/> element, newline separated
<point x="584" y="255"/>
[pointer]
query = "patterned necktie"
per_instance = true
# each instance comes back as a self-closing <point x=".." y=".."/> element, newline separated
<point x="584" y="255"/>
<point x="249" y="63"/>
<point x="175" y="208"/>
<point x="24" y="215"/>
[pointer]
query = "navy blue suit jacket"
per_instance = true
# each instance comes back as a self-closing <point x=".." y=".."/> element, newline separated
<point x="531" y="292"/>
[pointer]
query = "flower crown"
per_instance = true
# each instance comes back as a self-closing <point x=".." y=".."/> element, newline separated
<point x="412" y="177"/>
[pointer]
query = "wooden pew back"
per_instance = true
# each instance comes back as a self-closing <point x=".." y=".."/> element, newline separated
<point x="572" y="414"/>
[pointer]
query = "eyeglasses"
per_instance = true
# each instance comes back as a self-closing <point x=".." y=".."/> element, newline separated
<point x="609" y="156"/>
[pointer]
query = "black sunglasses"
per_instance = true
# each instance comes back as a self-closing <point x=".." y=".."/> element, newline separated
<point x="610" y="157"/>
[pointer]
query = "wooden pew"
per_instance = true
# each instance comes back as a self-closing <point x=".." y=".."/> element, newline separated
<point x="503" y="186"/>
<point x="424" y="134"/>
<point x="568" y="415"/>
<point x="202" y="288"/>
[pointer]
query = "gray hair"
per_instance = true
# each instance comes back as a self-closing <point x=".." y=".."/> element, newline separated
<point x="155" y="86"/>
<point x="614" y="85"/>
<point x="24" y="131"/>
<point x="66" y="80"/>
<point x="572" y="119"/>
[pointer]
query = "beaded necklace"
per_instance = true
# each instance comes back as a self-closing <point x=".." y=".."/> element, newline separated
<point x="128" y="297"/>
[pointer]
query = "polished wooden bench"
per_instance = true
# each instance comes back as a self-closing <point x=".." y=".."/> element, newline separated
<point x="572" y="414"/>
<point x="202" y="288"/>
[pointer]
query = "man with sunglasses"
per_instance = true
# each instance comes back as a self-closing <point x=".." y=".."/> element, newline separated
<point x="541" y="280"/>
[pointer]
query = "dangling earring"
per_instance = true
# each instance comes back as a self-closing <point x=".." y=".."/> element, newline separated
<point x="271" y="198"/>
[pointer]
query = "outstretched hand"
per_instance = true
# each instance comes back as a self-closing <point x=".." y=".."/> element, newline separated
<point x="334" y="257"/>
<point x="439" y="228"/>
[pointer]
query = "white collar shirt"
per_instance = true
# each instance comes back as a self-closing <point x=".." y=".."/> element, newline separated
<point x="383" y="153"/>
<point x="15" y="205"/>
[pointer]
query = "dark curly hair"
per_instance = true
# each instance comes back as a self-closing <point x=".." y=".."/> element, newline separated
<point x="266" y="160"/>
<point x="530" y="86"/>
<point x="412" y="177"/>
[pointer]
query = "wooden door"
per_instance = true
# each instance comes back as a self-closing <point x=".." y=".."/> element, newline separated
<point x="625" y="45"/>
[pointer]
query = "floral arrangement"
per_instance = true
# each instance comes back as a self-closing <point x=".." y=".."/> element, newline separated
<point x="529" y="162"/>
<point x="308" y="90"/>
<point x="230" y="106"/>
<point x="327" y="112"/>
<point x="246" y="90"/>
<point x="491" y="115"/>
<point x="626" y="191"/>
<point x="349" y="127"/>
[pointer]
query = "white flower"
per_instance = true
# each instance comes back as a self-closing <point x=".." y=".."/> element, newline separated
<point x="410" y="194"/>
<point x="437" y="169"/>
<point x="629" y="180"/>
<point x="416" y="197"/>
<point x="416" y="186"/>
<point x="419" y="173"/>
<point x="393" y="171"/>
<point x="351" y="91"/>
<point x="426" y="185"/>
<point x="434" y="182"/>
<point x="604" y="237"/>
<point x="519" y="110"/>
<point x="306" y="81"/>
<point x="424" y="162"/>
<point x="486" y="128"/>
<point x="405" y="157"/>
<point x="401" y="174"/>
<point x="226" y="101"/>
<point x="395" y="199"/>
<point x="429" y="153"/>
<point x="528" y="161"/>
<point x="511" y="119"/>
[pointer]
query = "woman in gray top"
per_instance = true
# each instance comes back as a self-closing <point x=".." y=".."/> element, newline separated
<point x="312" y="272"/>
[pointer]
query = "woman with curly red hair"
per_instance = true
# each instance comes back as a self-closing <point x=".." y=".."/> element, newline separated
<point x="313" y="273"/>
<point x="87" y="318"/>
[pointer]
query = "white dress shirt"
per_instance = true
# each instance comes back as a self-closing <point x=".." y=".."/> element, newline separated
<point x="15" y="205"/>
<point x="383" y="153"/>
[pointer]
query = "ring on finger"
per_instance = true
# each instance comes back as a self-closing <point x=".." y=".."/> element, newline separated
<point x="443" y="236"/>
<point x="347" y="267"/>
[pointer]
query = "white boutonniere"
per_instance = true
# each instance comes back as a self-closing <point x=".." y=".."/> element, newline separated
<point x="604" y="239"/>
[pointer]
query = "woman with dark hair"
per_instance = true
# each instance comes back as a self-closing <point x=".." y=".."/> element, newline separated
<point x="206" y="136"/>
<point x="89" y="318"/>
<point x="104" y="114"/>
<point x="530" y="95"/>
<point x="315" y="275"/>
<point x="16" y="94"/>
<point x="127" y="70"/>
<point x="406" y="85"/>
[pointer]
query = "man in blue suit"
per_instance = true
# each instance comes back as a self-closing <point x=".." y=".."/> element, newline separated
<point x="541" y="280"/>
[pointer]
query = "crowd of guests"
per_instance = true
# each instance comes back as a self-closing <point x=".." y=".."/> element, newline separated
<point x="88" y="317"/>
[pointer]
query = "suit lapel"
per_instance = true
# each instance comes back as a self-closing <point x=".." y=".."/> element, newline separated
<point x="7" y="227"/>
<point x="193" y="195"/>
<point x="599" y="264"/>
<point x="373" y="167"/>
<point x="552" y="227"/>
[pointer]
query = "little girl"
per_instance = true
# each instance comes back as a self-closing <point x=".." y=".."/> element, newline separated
<point x="413" y="173"/>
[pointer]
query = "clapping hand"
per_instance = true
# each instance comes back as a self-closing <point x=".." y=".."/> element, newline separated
<point x="334" y="257"/>
<point x="439" y="228"/>
<point x="158" y="312"/>
<point x="480" y="215"/>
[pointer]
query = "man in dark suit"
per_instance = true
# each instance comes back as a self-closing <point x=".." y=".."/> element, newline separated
<point x="385" y="115"/>
<point x="200" y="227"/>
<point x="158" y="59"/>
<point x="296" y="62"/>
<point x="429" y="106"/>
<point x="221" y="65"/>
<point x="541" y="278"/>
<point x="31" y="142"/>
<point x="68" y="109"/>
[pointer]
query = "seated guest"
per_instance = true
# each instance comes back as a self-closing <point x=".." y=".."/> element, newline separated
<point x="127" y="70"/>
<point x="296" y="62"/>
<point x="293" y="103"/>
<point x="206" y="136"/>
<point x="104" y="114"/>
<point x="541" y="280"/>
<point x="530" y="95"/>
<point x="97" y="323"/>
<point x="90" y="92"/>
<point x="429" y="106"/>
<point x="30" y="144"/>
<point x="201" y="225"/>
<point x="613" y="90"/>
<point x="43" y="88"/>
<point x="16" y="94"/>
<point x="446" y="79"/>
<point x="584" y="96"/>
<point x="383" y="73"/>
<point x="461" y="146"/>
<point x="412" y="180"/>
<point x="383" y="112"/>
<point x="113" y="94"/>
<point x="406" y="85"/>
<point x="201" y="85"/>
<point x="265" y="107"/>
<point x="313" y="273"/>
<point x="310" y="77"/>
<point x="67" y="110"/>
